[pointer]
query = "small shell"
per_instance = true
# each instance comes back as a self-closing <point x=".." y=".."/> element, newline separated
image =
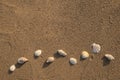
<point x="62" y="53"/>
<point x="96" y="48"/>
<point x="73" y="61"/>
<point x="84" y="54"/>
<point x="12" y="68"/>
<point x="38" y="53"/>
<point x="50" y="59"/>
<point x="22" y="60"/>
<point x="109" y="57"/>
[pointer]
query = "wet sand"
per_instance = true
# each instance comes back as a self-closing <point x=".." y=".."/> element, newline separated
<point x="71" y="25"/>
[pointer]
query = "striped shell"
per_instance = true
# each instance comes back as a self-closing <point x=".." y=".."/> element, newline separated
<point x="84" y="54"/>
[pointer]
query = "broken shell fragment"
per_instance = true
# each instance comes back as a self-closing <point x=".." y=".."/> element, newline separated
<point x="50" y="60"/>
<point x="84" y="54"/>
<point x="38" y="53"/>
<point x="22" y="60"/>
<point x="96" y="48"/>
<point x="73" y="61"/>
<point x="109" y="57"/>
<point x="12" y="68"/>
<point x="62" y="53"/>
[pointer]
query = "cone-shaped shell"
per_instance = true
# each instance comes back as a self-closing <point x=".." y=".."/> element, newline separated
<point x="50" y="59"/>
<point x="38" y="53"/>
<point x="12" y="68"/>
<point x="62" y="53"/>
<point x="84" y="54"/>
<point x="96" y="48"/>
<point x="73" y="61"/>
<point x="22" y="60"/>
<point x="109" y="57"/>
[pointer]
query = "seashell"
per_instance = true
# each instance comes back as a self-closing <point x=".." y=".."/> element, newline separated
<point x="22" y="60"/>
<point x="62" y="53"/>
<point x="96" y="48"/>
<point x="12" y="68"/>
<point x="109" y="57"/>
<point x="73" y="61"/>
<point x="38" y="53"/>
<point x="50" y="59"/>
<point x="84" y="54"/>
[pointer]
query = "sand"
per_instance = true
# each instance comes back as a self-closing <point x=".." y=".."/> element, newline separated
<point x="71" y="25"/>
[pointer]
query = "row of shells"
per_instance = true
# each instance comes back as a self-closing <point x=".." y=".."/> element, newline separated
<point x="96" y="48"/>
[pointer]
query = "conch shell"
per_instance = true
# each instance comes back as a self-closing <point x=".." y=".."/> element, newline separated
<point x="62" y="53"/>
<point x="109" y="57"/>
<point x="22" y="60"/>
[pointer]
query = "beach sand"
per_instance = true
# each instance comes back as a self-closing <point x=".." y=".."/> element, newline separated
<point x="49" y="25"/>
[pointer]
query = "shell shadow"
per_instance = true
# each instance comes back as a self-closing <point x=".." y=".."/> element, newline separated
<point x="9" y="72"/>
<point x="82" y="59"/>
<point x="35" y="57"/>
<point x="105" y="61"/>
<point x="56" y="55"/>
<point x="19" y="65"/>
<point x="71" y="64"/>
<point x="46" y="64"/>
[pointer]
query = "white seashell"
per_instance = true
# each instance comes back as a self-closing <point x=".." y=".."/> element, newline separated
<point x="50" y="59"/>
<point x="96" y="48"/>
<point x="62" y="53"/>
<point x="38" y="53"/>
<point x="84" y="54"/>
<point x="73" y="61"/>
<point x="22" y="60"/>
<point x="109" y="57"/>
<point x="12" y="68"/>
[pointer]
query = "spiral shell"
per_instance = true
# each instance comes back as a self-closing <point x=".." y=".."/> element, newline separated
<point x="50" y="59"/>
<point x="109" y="57"/>
<point x="38" y="53"/>
<point x="22" y="60"/>
<point x="73" y="61"/>
<point x="12" y="68"/>
<point x="84" y="54"/>
<point x="62" y="53"/>
<point x="96" y="48"/>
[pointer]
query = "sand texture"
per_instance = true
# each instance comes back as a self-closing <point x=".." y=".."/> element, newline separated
<point x="71" y="25"/>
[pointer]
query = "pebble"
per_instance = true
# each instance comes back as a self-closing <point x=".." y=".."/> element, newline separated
<point x="38" y="53"/>
<point x="73" y="61"/>
<point x="12" y="68"/>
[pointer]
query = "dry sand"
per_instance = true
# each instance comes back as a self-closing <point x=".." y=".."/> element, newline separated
<point x="71" y="25"/>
